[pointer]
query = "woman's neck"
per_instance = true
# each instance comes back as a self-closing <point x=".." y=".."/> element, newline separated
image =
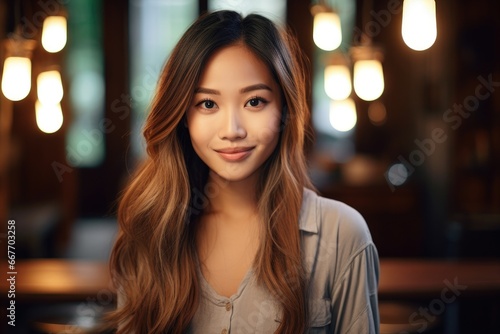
<point x="232" y="199"/>
<point x="228" y="235"/>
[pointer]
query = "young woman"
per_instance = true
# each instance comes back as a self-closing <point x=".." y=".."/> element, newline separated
<point x="219" y="230"/>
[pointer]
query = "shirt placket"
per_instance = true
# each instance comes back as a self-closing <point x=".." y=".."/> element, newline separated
<point x="227" y="307"/>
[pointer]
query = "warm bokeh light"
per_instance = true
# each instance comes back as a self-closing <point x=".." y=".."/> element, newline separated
<point x="327" y="33"/>
<point x="49" y="87"/>
<point x="16" y="78"/>
<point x="49" y="117"/>
<point x="343" y="115"/>
<point x="338" y="82"/>
<point x="419" y="24"/>
<point x="377" y="113"/>
<point x="54" y="33"/>
<point x="368" y="79"/>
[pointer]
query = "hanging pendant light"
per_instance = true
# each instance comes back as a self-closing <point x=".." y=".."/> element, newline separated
<point x="337" y="80"/>
<point x="327" y="31"/>
<point x="368" y="72"/>
<point x="343" y="115"/>
<point x="49" y="87"/>
<point x="16" y="75"/>
<point x="368" y="79"/>
<point x="419" y="28"/>
<point x="16" y="79"/>
<point x="49" y="117"/>
<point x="54" y="33"/>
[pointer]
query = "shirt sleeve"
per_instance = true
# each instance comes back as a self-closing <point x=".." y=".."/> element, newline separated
<point x="354" y="298"/>
<point x="344" y="269"/>
<point x="354" y="270"/>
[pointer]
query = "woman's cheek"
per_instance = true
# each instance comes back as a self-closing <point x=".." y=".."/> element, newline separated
<point x="271" y="129"/>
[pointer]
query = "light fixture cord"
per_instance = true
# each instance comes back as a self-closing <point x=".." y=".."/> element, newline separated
<point x="18" y="30"/>
<point x="365" y="18"/>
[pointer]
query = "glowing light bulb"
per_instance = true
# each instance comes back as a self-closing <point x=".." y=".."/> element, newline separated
<point x="337" y="82"/>
<point x="368" y="79"/>
<point x="16" y="78"/>
<point x="54" y="33"/>
<point x="49" y="117"/>
<point x="49" y="87"/>
<point x="343" y="115"/>
<point x="327" y="33"/>
<point x="419" y="29"/>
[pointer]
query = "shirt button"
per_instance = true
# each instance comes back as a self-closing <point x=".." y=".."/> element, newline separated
<point x="224" y="331"/>
<point x="228" y="306"/>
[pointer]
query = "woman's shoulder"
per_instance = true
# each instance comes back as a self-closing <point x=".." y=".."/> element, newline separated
<point x="336" y="236"/>
<point x="333" y="219"/>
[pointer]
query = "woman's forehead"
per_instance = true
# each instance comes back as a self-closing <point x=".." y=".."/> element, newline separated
<point x="235" y="66"/>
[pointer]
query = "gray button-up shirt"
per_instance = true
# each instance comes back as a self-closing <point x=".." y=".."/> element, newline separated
<point x="342" y="266"/>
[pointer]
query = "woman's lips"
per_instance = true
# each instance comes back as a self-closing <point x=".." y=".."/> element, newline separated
<point x="235" y="153"/>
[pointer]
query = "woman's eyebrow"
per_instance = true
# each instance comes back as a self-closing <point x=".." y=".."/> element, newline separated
<point x="206" y="91"/>
<point x="255" y="87"/>
<point x="243" y="90"/>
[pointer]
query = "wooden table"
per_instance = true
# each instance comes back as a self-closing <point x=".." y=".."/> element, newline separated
<point x="71" y="280"/>
<point x="420" y="279"/>
<point x="59" y="280"/>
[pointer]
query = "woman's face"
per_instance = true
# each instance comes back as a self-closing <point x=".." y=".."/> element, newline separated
<point x="234" y="119"/>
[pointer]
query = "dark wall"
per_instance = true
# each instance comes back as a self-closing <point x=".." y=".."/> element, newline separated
<point x="457" y="185"/>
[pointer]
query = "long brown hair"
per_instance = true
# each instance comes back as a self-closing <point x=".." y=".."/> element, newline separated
<point x="153" y="262"/>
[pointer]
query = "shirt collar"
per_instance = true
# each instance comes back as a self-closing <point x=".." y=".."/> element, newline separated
<point x="308" y="221"/>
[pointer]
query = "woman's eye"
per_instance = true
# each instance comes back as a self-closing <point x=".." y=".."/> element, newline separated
<point x="256" y="102"/>
<point x="208" y="104"/>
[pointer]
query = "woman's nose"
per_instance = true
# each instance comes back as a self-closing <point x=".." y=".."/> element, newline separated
<point x="232" y="125"/>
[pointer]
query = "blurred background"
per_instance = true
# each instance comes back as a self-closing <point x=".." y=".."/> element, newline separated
<point x="405" y="107"/>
